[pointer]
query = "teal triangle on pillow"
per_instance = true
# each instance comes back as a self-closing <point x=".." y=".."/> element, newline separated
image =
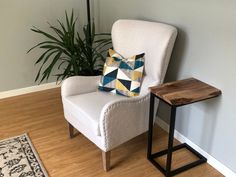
<point x="124" y="65"/>
<point x="137" y="90"/>
<point x="138" y="64"/>
<point x="117" y="59"/>
<point x="107" y="80"/>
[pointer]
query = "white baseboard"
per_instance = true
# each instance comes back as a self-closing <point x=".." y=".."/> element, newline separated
<point x="210" y="160"/>
<point x="21" y="91"/>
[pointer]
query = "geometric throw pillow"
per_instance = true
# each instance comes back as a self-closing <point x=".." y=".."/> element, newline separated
<point x="122" y="76"/>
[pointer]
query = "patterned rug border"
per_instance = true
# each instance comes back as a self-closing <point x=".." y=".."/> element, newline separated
<point x="33" y="149"/>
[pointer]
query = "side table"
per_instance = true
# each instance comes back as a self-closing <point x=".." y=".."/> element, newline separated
<point x="176" y="94"/>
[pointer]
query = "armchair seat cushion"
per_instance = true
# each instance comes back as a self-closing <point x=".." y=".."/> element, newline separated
<point x="86" y="108"/>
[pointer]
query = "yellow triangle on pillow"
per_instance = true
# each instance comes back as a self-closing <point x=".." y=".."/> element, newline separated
<point x="120" y="86"/>
<point x="111" y="52"/>
<point x="136" y="75"/>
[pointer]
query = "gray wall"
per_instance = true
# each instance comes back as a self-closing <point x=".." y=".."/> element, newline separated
<point x="17" y="69"/>
<point x="205" y="49"/>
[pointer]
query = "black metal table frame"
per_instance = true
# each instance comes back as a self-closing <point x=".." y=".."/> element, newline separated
<point x="151" y="157"/>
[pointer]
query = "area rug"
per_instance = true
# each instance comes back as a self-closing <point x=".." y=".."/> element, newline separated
<point x="18" y="158"/>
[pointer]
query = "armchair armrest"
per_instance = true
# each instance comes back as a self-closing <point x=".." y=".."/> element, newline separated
<point x="79" y="84"/>
<point x="122" y="120"/>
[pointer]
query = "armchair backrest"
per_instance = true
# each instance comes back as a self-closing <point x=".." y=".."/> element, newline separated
<point x="156" y="40"/>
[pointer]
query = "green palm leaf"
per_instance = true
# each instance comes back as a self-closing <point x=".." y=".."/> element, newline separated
<point x="79" y="54"/>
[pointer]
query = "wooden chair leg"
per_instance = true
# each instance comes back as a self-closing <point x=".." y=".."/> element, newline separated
<point x="106" y="160"/>
<point x="71" y="131"/>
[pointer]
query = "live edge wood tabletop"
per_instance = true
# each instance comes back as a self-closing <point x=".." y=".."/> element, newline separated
<point x="187" y="91"/>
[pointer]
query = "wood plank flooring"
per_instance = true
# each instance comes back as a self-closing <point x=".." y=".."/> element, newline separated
<point x="40" y="115"/>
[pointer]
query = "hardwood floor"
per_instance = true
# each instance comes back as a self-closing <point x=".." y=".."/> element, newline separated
<point x="40" y="115"/>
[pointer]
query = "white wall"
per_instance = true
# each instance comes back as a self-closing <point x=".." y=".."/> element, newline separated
<point x="17" y="68"/>
<point x="205" y="49"/>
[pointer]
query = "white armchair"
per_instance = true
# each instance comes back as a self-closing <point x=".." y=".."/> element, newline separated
<point x="109" y="120"/>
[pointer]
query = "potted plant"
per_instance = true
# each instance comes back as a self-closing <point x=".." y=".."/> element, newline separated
<point x="73" y="53"/>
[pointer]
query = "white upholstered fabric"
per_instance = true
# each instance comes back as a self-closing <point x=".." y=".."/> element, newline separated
<point x="78" y="85"/>
<point x="110" y="120"/>
<point x="87" y="107"/>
